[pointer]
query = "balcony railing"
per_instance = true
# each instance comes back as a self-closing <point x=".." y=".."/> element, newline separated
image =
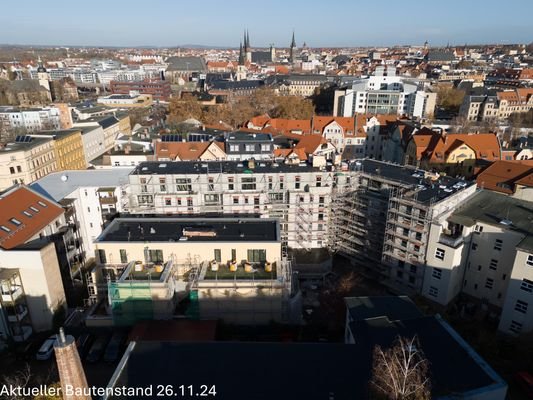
<point x="24" y="333"/>
<point x="19" y="315"/>
<point x="11" y="294"/>
<point x="451" y="241"/>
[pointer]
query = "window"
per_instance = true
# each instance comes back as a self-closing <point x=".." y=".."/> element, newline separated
<point x="256" y="255"/>
<point x="433" y="291"/>
<point x="527" y="285"/>
<point x="265" y="147"/>
<point x="12" y="170"/>
<point x="168" y="201"/>
<point x="318" y="181"/>
<point x="493" y="264"/>
<point x="498" y="244"/>
<point x="211" y="198"/>
<point x="183" y="185"/>
<point x="88" y="209"/>
<point x="529" y="260"/>
<point x="230" y="184"/>
<point x="189" y="201"/>
<point x="269" y="183"/>
<point x="218" y="256"/>
<point x="211" y="185"/>
<point x="101" y="256"/>
<point x="515" y="327"/>
<point x="249" y="147"/>
<point x="297" y="183"/>
<point x="248" y="183"/>
<point x="19" y="169"/>
<point x="413" y="269"/>
<point x="123" y="256"/>
<point x="439" y="253"/>
<point x="179" y="201"/>
<point x="15" y="221"/>
<point x="478" y="229"/>
<point x="155" y="256"/>
<point x="234" y="147"/>
<point x="437" y="273"/>
<point x="235" y="200"/>
<point x="489" y="283"/>
<point x="521" y="306"/>
<point x="233" y="255"/>
<point x="321" y="217"/>
<point x="474" y="246"/>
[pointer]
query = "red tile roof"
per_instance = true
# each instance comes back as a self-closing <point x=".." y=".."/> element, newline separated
<point x="503" y="176"/>
<point x="24" y="213"/>
<point x="184" y="151"/>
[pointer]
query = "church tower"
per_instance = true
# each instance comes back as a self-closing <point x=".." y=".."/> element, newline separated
<point x="42" y="75"/>
<point x="292" y="48"/>
<point x="247" y="48"/>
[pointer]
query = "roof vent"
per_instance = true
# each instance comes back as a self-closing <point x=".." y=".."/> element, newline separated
<point x="64" y="178"/>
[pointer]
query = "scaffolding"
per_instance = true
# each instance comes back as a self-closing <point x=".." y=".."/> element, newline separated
<point x="130" y="302"/>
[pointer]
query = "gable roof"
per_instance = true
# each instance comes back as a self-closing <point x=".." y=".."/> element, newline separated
<point x="22" y="221"/>
<point x="503" y="176"/>
<point x="346" y="123"/>
<point x="184" y="151"/>
<point x="310" y="143"/>
<point x="436" y="147"/>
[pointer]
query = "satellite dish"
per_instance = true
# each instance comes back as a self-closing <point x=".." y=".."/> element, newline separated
<point x="64" y="178"/>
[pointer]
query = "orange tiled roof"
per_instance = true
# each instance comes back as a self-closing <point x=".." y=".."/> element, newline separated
<point x="310" y="143"/>
<point x="346" y="123"/>
<point x="185" y="151"/>
<point x="16" y="204"/>
<point x="485" y="145"/>
<point x="503" y="176"/>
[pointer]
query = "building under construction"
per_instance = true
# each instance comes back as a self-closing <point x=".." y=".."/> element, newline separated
<point x="381" y="214"/>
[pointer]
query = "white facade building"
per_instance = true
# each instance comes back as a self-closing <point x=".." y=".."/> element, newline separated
<point x="385" y="93"/>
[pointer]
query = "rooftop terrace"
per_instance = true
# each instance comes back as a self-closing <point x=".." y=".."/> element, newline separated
<point x="190" y="229"/>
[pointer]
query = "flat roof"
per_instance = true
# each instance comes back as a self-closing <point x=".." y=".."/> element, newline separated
<point x="55" y="187"/>
<point x="393" y="307"/>
<point x="244" y="370"/>
<point x="21" y="146"/>
<point x="197" y="167"/>
<point x="428" y="191"/>
<point x="193" y="229"/>
<point x="500" y="210"/>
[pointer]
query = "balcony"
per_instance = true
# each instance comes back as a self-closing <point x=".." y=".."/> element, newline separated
<point x="451" y="241"/>
<point x="108" y="200"/>
<point x="11" y="294"/>
<point x="23" y="334"/>
<point x="19" y="315"/>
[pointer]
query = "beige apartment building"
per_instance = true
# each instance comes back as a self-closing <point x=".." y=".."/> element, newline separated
<point x="230" y="268"/>
<point x="26" y="160"/>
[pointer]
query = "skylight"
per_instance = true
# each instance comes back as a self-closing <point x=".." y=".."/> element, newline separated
<point x="35" y="209"/>
<point x="5" y="228"/>
<point x="27" y="214"/>
<point x="15" y="221"/>
<point x="42" y="204"/>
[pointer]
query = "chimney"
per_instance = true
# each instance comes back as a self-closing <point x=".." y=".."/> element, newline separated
<point x="251" y="163"/>
<point x="71" y="372"/>
<point x="127" y="149"/>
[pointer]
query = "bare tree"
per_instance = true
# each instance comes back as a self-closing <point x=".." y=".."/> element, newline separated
<point x="401" y="372"/>
<point x="18" y="379"/>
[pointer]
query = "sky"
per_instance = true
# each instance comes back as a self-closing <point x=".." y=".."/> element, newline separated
<point x="326" y="23"/>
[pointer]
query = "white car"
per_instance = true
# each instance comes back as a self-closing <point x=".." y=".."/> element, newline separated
<point x="47" y="348"/>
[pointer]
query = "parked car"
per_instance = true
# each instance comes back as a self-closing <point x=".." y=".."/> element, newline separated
<point x="47" y="348"/>
<point x="83" y="343"/>
<point x="97" y="348"/>
<point x="112" y="351"/>
<point x="525" y="380"/>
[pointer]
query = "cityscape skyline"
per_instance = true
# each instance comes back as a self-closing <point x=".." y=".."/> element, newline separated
<point x="213" y="26"/>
